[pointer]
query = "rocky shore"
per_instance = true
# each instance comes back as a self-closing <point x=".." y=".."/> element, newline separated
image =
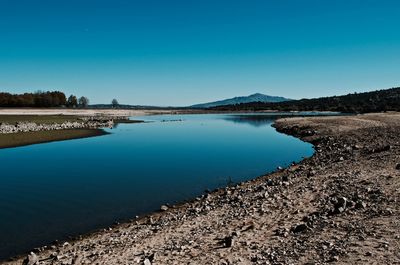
<point x="340" y="206"/>
<point x="90" y="122"/>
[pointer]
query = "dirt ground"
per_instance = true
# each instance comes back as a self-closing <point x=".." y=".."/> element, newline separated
<point x="77" y="112"/>
<point x="340" y="206"/>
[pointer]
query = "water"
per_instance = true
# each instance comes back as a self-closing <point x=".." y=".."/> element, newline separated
<point x="55" y="190"/>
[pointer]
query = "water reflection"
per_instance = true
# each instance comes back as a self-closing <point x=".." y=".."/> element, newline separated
<point x="253" y="120"/>
<point x="266" y="119"/>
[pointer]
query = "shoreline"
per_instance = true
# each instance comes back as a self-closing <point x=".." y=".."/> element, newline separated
<point x="128" y="112"/>
<point x="303" y="213"/>
<point x="40" y="137"/>
<point x="36" y="126"/>
<point x="23" y="130"/>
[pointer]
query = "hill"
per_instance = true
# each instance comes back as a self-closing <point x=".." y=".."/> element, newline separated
<point x="258" y="97"/>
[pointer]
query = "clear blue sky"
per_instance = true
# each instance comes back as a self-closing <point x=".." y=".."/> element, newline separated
<point x="171" y="52"/>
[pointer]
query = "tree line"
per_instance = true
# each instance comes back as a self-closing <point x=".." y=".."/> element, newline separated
<point x="41" y="99"/>
<point x="375" y="101"/>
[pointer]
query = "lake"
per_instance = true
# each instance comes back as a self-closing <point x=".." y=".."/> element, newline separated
<point x="55" y="190"/>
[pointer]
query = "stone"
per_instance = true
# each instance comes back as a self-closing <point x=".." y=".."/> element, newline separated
<point x="146" y="262"/>
<point x="361" y="205"/>
<point x="223" y="262"/>
<point x="398" y="166"/>
<point x="311" y="173"/>
<point x="164" y="208"/>
<point x="299" y="228"/>
<point x="341" y="204"/>
<point x="32" y="259"/>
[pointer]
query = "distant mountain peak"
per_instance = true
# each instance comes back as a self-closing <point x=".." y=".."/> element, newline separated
<point x="256" y="97"/>
<point x="257" y="94"/>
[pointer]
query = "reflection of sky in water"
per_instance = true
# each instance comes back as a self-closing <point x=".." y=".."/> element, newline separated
<point x="53" y="190"/>
<point x="263" y="119"/>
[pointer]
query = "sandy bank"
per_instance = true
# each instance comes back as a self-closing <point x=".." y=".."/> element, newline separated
<point x="339" y="206"/>
<point x="38" y="137"/>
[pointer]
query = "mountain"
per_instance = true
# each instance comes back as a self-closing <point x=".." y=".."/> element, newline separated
<point x="240" y="100"/>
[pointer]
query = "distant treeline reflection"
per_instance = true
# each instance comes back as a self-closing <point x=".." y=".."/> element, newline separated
<point x="258" y="120"/>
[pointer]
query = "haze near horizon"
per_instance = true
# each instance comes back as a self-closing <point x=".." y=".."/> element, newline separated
<point x="179" y="53"/>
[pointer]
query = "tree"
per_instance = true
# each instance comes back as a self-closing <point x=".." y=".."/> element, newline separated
<point x="83" y="102"/>
<point x="114" y="103"/>
<point x="72" y="102"/>
<point x="38" y="99"/>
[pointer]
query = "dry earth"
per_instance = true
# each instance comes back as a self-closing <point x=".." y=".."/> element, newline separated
<point x="340" y="206"/>
<point x="79" y="112"/>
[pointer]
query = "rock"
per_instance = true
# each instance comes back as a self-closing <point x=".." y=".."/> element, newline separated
<point x="299" y="228"/>
<point x="98" y="122"/>
<point x="381" y="149"/>
<point x="270" y="182"/>
<point x="341" y="204"/>
<point x="223" y="262"/>
<point x="361" y="205"/>
<point x="77" y="260"/>
<point x="311" y="173"/>
<point x="164" y="208"/>
<point x="398" y="166"/>
<point x="227" y="241"/>
<point x="32" y="259"/>
<point x="146" y="262"/>
<point x="283" y="232"/>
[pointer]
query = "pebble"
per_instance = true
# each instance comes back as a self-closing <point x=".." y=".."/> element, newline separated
<point x="299" y="228"/>
<point x="32" y="259"/>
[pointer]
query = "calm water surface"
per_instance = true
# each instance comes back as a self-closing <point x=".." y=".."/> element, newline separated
<point x="55" y="190"/>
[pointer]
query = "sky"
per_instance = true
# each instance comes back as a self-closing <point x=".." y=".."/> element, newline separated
<point x="182" y="52"/>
